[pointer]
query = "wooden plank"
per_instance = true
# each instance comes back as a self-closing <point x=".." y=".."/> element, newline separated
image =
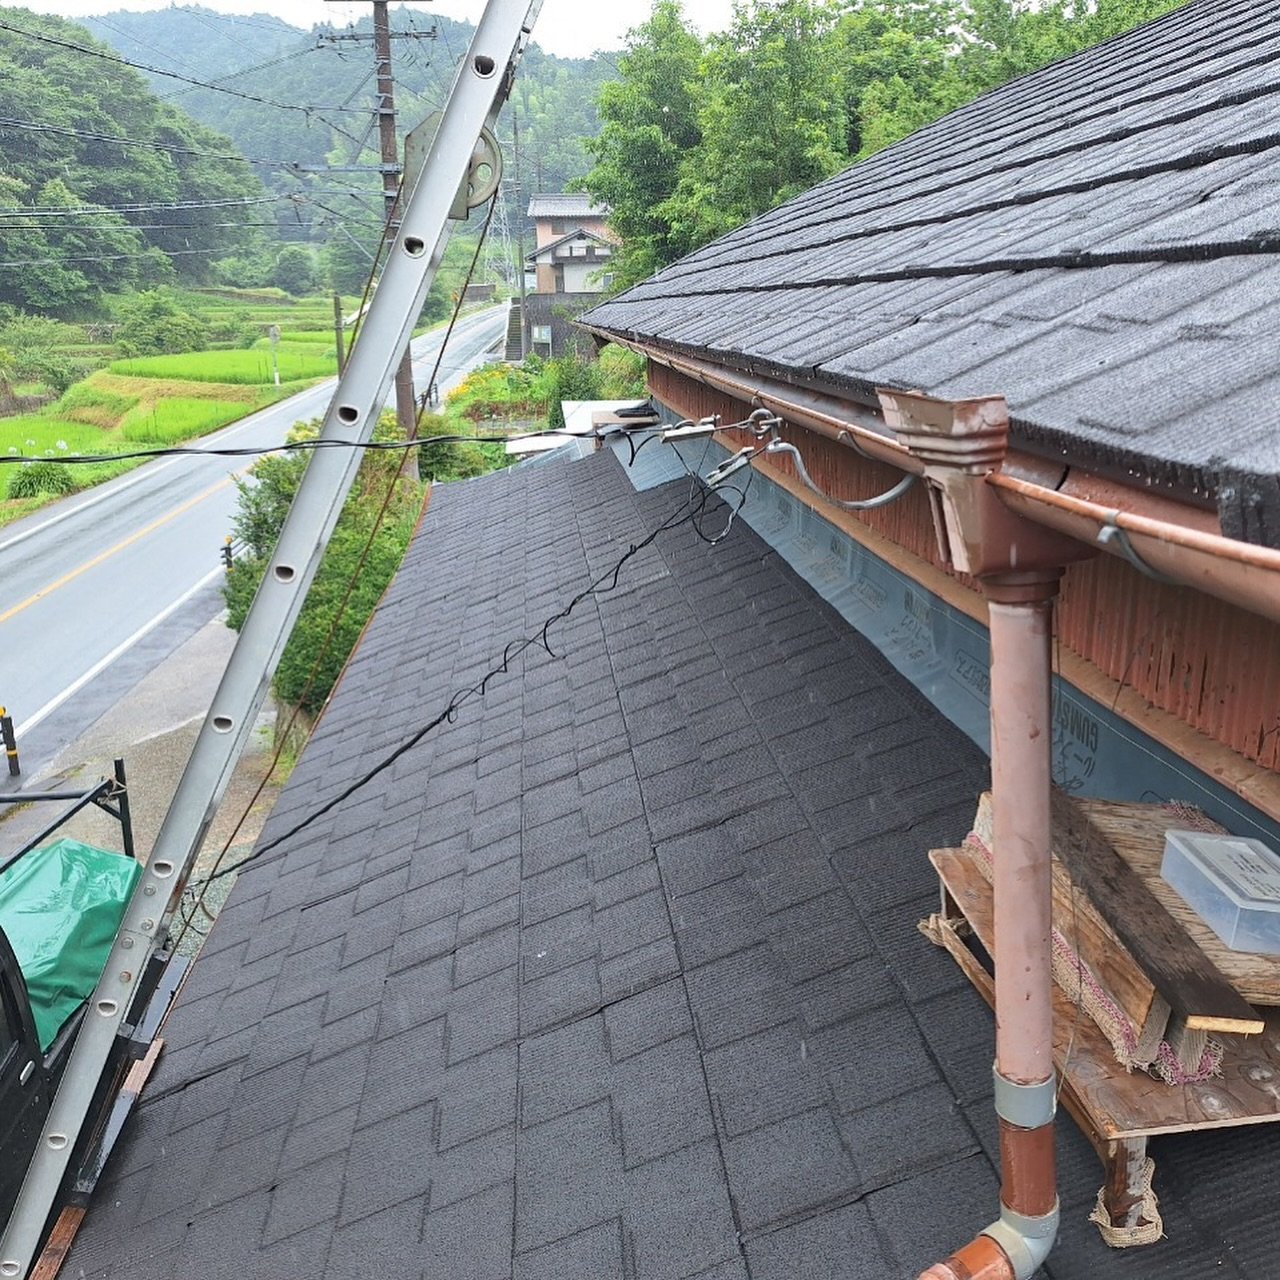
<point x="1108" y="1102"/>
<point x="58" y="1245"/>
<point x="1182" y="973"/>
<point x="141" y="1070"/>
<point x="1095" y="942"/>
<point x="99" y="1152"/>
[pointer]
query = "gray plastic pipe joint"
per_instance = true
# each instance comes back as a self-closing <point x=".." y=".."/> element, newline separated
<point x="1026" y="1241"/>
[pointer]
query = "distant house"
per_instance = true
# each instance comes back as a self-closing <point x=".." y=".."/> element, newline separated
<point x="570" y="259"/>
<point x="559" y="214"/>
<point x="575" y="263"/>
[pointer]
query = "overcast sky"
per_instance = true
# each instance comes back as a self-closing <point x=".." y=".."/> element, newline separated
<point x="570" y="28"/>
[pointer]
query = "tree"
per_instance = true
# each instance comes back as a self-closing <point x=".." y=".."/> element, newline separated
<point x="32" y="350"/>
<point x="360" y="559"/>
<point x="295" y="270"/>
<point x="650" y="121"/>
<point x="773" y="116"/>
<point x="98" y="176"/>
<point x="697" y="139"/>
<point x="990" y="42"/>
<point x="152" y="323"/>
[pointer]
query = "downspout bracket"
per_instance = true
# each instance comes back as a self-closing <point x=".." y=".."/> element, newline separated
<point x="1111" y="534"/>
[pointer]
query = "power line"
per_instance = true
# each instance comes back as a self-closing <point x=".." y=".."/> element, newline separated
<point x="70" y="210"/>
<point x="88" y="135"/>
<point x="135" y="226"/>
<point x="258" y="450"/>
<point x="689" y="512"/>
<point x="265" y="65"/>
<point x="106" y="257"/>
<point x="122" y="61"/>
<point x="125" y="35"/>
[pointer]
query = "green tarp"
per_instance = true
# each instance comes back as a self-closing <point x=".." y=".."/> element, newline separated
<point x="60" y="907"/>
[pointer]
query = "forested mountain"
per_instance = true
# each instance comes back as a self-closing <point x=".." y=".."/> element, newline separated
<point x="306" y="96"/>
<point x="115" y="175"/>
<point x="102" y="185"/>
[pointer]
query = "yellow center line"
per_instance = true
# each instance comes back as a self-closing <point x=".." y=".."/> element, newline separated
<point x="120" y="546"/>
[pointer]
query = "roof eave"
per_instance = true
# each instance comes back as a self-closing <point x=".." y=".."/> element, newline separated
<point x="1159" y="536"/>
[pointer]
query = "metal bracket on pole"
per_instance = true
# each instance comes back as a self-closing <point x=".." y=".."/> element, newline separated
<point x="482" y="79"/>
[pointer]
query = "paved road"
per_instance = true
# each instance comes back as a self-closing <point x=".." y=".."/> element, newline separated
<point x="97" y="589"/>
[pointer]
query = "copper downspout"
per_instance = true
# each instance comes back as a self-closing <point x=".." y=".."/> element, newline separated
<point x="1015" y="536"/>
<point x="1014" y="1246"/>
<point x="961" y="445"/>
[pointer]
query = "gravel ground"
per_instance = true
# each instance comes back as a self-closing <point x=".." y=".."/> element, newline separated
<point x="154" y="728"/>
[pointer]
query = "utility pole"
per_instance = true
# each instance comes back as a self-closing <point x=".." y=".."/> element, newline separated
<point x="406" y="408"/>
<point x="520" y="221"/>
<point x="338" y="338"/>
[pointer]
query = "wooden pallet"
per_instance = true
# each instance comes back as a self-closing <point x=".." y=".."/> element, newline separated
<point x="1116" y="1109"/>
<point x="1139" y="954"/>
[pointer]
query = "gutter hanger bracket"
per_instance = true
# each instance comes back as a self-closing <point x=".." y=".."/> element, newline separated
<point x="1112" y="535"/>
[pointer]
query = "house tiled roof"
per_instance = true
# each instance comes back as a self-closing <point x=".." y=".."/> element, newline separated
<point x="579" y="233"/>
<point x="565" y="204"/>
<point x="1097" y="241"/>
<point x="617" y="975"/>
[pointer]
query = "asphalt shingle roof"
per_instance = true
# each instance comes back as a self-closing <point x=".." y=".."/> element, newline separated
<point x="1097" y="241"/>
<point x="617" y="975"/>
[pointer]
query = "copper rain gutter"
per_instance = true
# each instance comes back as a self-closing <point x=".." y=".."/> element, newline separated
<point x="1238" y="572"/>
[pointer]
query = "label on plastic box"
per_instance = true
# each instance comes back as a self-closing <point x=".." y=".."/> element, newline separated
<point x="1246" y="870"/>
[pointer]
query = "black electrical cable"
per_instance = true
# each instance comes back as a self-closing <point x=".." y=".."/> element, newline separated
<point x="171" y="148"/>
<point x="175" y="206"/>
<point x="111" y="56"/>
<point x="104" y="257"/>
<point x="253" y="451"/>
<point x="688" y="512"/>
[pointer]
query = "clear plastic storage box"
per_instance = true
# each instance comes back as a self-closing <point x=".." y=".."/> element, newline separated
<point x="1231" y="883"/>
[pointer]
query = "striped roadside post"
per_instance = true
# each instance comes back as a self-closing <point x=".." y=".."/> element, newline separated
<point x="10" y="743"/>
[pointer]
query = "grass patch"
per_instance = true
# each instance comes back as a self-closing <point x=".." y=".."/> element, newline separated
<point x="108" y="414"/>
<point x="177" y="418"/>
<point x="46" y="435"/>
<point x="241" y="367"/>
<point x="150" y="389"/>
<point x="313" y="337"/>
<point x="95" y="406"/>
